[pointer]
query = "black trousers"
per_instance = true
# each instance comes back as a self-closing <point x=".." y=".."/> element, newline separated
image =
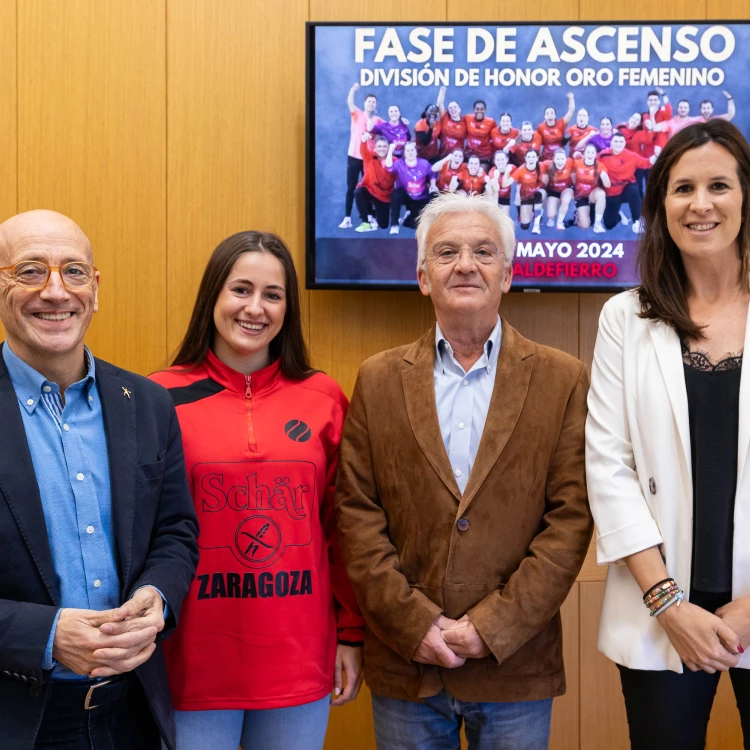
<point x="631" y="196"/>
<point x="670" y="711"/>
<point x="401" y="198"/>
<point x="125" y="724"/>
<point x="353" y="172"/>
<point x="368" y="205"/>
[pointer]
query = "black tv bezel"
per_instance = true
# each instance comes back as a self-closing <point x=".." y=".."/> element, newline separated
<point x="310" y="26"/>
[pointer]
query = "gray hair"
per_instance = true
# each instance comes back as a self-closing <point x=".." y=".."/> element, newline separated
<point x="455" y="203"/>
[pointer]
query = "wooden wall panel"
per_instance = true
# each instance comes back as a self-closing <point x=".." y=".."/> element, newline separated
<point x="236" y="104"/>
<point x="642" y="10"/>
<point x="726" y="9"/>
<point x="8" y="112"/>
<point x="91" y="135"/>
<point x="565" y="710"/>
<point x="603" y="720"/>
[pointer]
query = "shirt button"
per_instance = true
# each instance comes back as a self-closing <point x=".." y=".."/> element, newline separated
<point x="458" y="472"/>
<point x="466" y="382"/>
<point x="461" y="425"/>
<point x="463" y="524"/>
<point x="47" y="388"/>
<point x="66" y="428"/>
<point x="30" y="402"/>
<point x="80" y="477"/>
<point x="89" y="529"/>
<point x="97" y="583"/>
<point x="91" y="398"/>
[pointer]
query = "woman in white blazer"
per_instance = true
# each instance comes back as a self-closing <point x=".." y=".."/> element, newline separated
<point x="667" y="442"/>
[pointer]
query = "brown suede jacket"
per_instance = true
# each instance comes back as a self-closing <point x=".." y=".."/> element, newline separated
<point x="510" y="569"/>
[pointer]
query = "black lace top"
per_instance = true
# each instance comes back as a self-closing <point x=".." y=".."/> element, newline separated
<point x="713" y="392"/>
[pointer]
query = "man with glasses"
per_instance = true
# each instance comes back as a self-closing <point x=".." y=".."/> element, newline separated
<point x="461" y="503"/>
<point x="97" y="530"/>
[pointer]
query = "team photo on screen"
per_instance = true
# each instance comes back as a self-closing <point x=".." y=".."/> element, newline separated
<point x="564" y="141"/>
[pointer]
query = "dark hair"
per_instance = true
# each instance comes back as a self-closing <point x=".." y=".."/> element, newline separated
<point x="289" y="344"/>
<point x="371" y="96"/>
<point x="379" y="138"/>
<point x="479" y="101"/>
<point x="653" y="93"/>
<point x="606" y="118"/>
<point x="706" y="101"/>
<point x="505" y="114"/>
<point x="552" y="108"/>
<point x="537" y="168"/>
<point x="663" y="279"/>
<point x="424" y="114"/>
<point x="684" y="100"/>
<point x="618" y="134"/>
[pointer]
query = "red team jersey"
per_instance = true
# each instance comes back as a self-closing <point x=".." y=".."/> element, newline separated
<point x="552" y="137"/>
<point x="427" y="150"/>
<point x="376" y="178"/>
<point x="639" y="141"/>
<point x="503" y="192"/>
<point x="528" y="181"/>
<point x="271" y="598"/>
<point x="471" y="184"/>
<point x="478" y="137"/>
<point x="621" y="168"/>
<point x="500" y="140"/>
<point x="576" y="135"/>
<point x="587" y="177"/>
<point x="518" y="152"/>
<point x="446" y="175"/>
<point x="559" y="179"/>
<point x="452" y="134"/>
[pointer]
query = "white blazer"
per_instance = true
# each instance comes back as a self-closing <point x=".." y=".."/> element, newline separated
<point x="639" y="475"/>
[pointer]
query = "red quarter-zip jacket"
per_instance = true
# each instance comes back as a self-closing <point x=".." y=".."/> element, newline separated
<point x="271" y="599"/>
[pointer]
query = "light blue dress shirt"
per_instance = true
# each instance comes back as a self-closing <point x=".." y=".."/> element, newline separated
<point x="69" y="451"/>
<point x="463" y="399"/>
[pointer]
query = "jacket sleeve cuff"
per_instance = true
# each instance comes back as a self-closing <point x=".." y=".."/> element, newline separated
<point x="613" y="546"/>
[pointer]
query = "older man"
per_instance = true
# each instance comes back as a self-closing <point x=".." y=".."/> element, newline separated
<point x="96" y="522"/>
<point x="462" y="503"/>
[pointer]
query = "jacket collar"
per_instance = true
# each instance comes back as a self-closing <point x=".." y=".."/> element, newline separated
<point x="508" y="395"/>
<point x="261" y="380"/>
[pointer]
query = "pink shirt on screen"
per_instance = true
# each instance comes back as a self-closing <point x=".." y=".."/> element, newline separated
<point x="359" y="127"/>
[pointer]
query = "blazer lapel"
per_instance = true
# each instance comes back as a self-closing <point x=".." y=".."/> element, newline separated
<point x="512" y="377"/>
<point x="669" y="355"/>
<point x="119" y="398"/>
<point x="743" y="438"/>
<point x="419" y="394"/>
<point x="19" y="486"/>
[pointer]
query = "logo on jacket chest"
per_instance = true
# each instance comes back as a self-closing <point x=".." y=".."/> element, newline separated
<point x="254" y="508"/>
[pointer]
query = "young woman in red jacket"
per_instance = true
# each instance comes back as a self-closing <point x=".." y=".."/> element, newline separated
<point x="270" y="627"/>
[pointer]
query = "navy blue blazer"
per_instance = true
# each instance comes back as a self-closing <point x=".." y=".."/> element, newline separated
<point x="155" y="532"/>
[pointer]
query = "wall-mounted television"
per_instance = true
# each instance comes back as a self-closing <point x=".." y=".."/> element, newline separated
<point x="559" y="123"/>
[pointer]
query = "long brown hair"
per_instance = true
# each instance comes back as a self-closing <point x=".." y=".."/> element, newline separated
<point x="663" y="288"/>
<point x="289" y="344"/>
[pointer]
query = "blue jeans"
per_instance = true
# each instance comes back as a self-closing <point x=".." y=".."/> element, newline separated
<point x="435" y="724"/>
<point x="294" y="728"/>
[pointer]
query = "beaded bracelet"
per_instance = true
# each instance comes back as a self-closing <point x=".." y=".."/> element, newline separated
<point x="667" y="583"/>
<point x="656" y="586"/>
<point x="661" y="594"/>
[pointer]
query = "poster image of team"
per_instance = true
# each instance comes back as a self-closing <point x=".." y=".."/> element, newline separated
<point x="559" y="124"/>
<point x="239" y="505"/>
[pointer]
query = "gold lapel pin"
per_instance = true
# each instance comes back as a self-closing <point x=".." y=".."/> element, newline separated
<point x="125" y="392"/>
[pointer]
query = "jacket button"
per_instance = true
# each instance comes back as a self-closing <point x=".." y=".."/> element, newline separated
<point x="6" y="673"/>
<point x="652" y="486"/>
<point x="463" y="524"/>
<point x="35" y="691"/>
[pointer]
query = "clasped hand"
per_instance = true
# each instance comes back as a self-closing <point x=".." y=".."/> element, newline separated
<point x="449" y="643"/>
<point x="115" y="641"/>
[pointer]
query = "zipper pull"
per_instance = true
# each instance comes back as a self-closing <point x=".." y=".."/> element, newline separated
<point x="248" y="391"/>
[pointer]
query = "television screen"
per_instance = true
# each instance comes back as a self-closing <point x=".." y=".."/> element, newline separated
<point x="558" y="123"/>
